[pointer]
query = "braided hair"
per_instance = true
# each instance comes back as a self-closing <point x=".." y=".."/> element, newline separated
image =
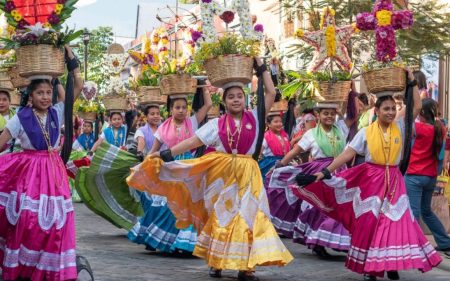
<point x="429" y="113"/>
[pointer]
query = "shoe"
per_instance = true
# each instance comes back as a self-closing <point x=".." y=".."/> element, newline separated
<point x="215" y="273"/>
<point x="150" y="248"/>
<point x="368" y="277"/>
<point x="393" y="275"/>
<point x="447" y="254"/>
<point x="247" y="276"/>
<point x="321" y="252"/>
<point x="442" y="250"/>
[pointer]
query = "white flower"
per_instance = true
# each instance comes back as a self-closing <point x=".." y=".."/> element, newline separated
<point x="38" y="29"/>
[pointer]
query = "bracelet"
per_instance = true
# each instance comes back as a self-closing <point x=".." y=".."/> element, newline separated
<point x="166" y="155"/>
<point x="326" y="174"/>
<point x="412" y="83"/>
<point x="260" y="70"/>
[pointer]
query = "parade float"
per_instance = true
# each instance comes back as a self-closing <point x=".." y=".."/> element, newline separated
<point x="88" y="107"/>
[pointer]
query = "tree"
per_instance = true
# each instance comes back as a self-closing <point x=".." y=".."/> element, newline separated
<point x="429" y="35"/>
<point x="100" y="39"/>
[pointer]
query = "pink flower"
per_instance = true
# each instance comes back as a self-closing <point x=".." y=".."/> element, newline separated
<point x="21" y="24"/>
<point x="259" y="28"/>
<point x="9" y="6"/>
<point x="53" y="18"/>
<point x="227" y="16"/>
<point x="365" y="21"/>
<point x="196" y="35"/>
<point x="402" y="19"/>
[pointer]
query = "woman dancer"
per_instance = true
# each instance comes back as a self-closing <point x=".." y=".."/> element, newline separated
<point x="115" y="134"/>
<point x="37" y="233"/>
<point x="222" y="192"/>
<point x="305" y="224"/>
<point x="371" y="201"/>
<point x="6" y="113"/>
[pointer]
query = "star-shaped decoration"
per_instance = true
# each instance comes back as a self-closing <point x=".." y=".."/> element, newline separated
<point x="329" y="42"/>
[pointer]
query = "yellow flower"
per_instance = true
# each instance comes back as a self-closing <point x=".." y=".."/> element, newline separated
<point x="330" y="41"/>
<point x="173" y="64"/>
<point x="47" y="25"/>
<point x="14" y="13"/>
<point x="299" y="33"/>
<point x="183" y="63"/>
<point x="325" y="13"/>
<point x="58" y="8"/>
<point x="11" y="29"/>
<point x="18" y="17"/>
<point x="164" y="41"/>
<point x="145" y="46"/>
<point x="384" y="17"/>
<point x="355" y="28"/>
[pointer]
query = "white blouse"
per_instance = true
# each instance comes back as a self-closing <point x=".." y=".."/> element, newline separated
<point x="17" y="131"/>
<point x="309" y="143"/>
<point x="209" y="134"/>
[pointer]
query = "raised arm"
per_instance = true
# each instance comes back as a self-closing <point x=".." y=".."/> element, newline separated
<point x="417" y="107"/>
<point x="78" y="86"/>
<point x="296" y="150"/>
<point x="269" y="88"/>
<point x="203" y="111"/>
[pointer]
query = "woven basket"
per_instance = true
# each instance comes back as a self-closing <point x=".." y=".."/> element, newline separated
<point x="280" y="106"/>
<point x="115" y="49"/>
<point x="16" y="79"/>
<point x="115" y="103"/>
<point x="150" y="95"/>
<point x="5" y="80"/>
<point x="177" y="84"/>
<point x="229" y="68"/>
<point x="40" y="61"/>
<point x="385" y="79"/>
<point x="335" y="91"/>
<point x="15" y="98"/>
<point x="88" y="116"/>
<point x="214" y="111"/>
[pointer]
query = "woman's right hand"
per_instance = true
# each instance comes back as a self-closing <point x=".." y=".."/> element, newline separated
<point x="319" y="176"/>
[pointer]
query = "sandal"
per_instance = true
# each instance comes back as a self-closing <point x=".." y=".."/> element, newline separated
<point x="215" y="273"/>
<point x="393" y="275"/>
<point x="247" y="276"/>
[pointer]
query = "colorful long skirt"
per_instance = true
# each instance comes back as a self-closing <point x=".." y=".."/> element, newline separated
<point x="156" y="228"/>
<point x="103" y="188"/>
<point x="371" y="201"/>
<point x="223" y="197"/>
<point x="308" y="225"/>
<point x="267" y="163"/>
<point x="37" y="228"/>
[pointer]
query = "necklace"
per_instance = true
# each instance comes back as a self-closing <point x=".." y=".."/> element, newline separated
<point x="117" y="135"/>
<point x="44" y="129"/>
<point x="332" y="139"/>
<point x="178" y="131"/>
<point x="231" y="136"/>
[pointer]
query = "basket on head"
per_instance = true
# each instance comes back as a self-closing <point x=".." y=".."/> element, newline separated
<point x="334" y="91"/>
<point x="15" y="98"/>
<point x="115" y="103"/>
<point x="88" y="116"/>
<point x="229" y="68"/>
<point x="17" y="80"/>
<point x="150" y="95"/>
<point x="279" y="107"/>
<point x="115" y="49"/>
<point x="40" y="61"/>
<point x="392" y="79"/>
<point x="5" y="81"/>
<point x="178" y="84"/>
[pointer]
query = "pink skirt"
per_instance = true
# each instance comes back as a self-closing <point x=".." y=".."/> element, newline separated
<point x="384" y="233"/>
<point x="37" y="234"/>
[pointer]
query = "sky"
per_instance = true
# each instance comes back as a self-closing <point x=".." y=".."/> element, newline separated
<point x="119" y="14"/>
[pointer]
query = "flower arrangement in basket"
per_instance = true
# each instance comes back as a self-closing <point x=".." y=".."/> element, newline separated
<point x="386" y="75"/>
<point x="88" y="109"/>
<point x="330" y="69"/>
<point x="37" y="36"/>
<point x="116" y="94"/>
<point x="216" y="98"/>
<point x="228" y="58"/>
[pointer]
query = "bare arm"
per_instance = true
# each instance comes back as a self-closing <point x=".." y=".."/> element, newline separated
<point x="186" y="145"/>
<point x="203" y="111"/>
<point x="78" y="86"/>
<point x="96" y="144"/>
<point x="5" y="137"/>
<point x="417" y="107"/>
<point x="140" y="144"/>
<point x="296" y="150"/>
<point x="156" y="146"/>
<point x="339" y="161"/>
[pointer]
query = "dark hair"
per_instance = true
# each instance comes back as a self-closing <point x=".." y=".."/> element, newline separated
<point x="147" y="108"/>
<point x="308" y="110"/>
<point x="364" y="99"/>
<point x="421" y="79"/>
<point x="6" y="93"/>
<point x="89" y="122"/>
<point x="270" y="118"/>
<point x="380" y="100"/>
<point x="35" y="83"/>
<point x="224" y="97"/>
<point x="114" y="113"/>
<point x="170" y="102"/>
<point x="429" y="113"/>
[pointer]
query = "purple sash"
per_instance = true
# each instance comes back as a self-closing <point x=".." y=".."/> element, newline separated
<point x="148" y="136"/>
<point x="248" y="132"/>
<point x="33" y="130"/>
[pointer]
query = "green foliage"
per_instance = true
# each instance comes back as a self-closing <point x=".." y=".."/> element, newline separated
<point x="216" y="99"/>
<point x="149" y="77"/>
<point x="230" y="44"/>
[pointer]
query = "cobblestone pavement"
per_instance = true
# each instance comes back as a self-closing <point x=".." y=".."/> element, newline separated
<point x="114" y="258"/>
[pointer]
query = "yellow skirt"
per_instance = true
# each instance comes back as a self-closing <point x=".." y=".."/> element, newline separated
<point x="223" y="196"/>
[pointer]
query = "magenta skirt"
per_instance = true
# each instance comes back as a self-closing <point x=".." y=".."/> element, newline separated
<point x="37" y="233"/>
<point x="384" y="233"/>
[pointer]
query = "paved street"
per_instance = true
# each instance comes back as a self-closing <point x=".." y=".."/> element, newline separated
<point x="114" y="258"/>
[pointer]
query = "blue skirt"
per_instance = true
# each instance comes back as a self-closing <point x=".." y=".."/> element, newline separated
<point x="156" y="228"/>
<point x="266" y="163"/>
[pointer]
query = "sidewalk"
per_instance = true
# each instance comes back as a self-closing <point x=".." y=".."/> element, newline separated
<point x="445" y="264"/>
